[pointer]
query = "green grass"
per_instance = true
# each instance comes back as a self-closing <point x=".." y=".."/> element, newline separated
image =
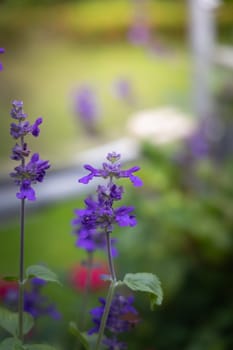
<point x="48" y="239"/>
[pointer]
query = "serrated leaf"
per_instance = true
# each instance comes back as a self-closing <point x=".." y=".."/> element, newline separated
<point x="79" y="335"/>
<point x="39" y="347"/>
<point x="11" y="344"/>
<point x="9" y="321"/>
<point x="10" y="278"/>
<point x="145" y="282"/>
<point x="42" y="272"/>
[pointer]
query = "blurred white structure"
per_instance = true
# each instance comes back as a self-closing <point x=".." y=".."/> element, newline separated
<point x="203" y="40"/>
<point x="160" y="125"/>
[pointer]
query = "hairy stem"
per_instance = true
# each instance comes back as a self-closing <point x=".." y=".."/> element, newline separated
<point x="21" y="270"/>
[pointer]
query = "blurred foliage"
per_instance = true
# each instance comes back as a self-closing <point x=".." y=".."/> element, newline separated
<point x="96" y="19"/>
<point x="185" y="236"/>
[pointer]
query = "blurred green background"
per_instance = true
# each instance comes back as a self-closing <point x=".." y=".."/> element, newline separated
<point x="185" y="228"/>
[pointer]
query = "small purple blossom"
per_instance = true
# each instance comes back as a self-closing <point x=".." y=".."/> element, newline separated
<point x="19" y="152"/>
<point x="26" y="191"/>
<point x="35" y="127"/>
<point x="34" y="302"/>
<point x="122" y="317"/>
<point x="2" y="50"/>
<point x="110" y="170"/>
<point x="28" y="172"/>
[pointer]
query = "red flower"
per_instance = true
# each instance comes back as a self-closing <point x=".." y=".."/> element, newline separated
<point x="79" y="277"/>
<point x="5" y="286"/>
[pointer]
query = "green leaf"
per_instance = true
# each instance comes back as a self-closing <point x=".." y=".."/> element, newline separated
<point x="145" y="282"/>
<point x="11" y="344"/>
<point x="79" y="335"/>
<point x="9" y="321"/>
<point x="42" y="272"/>
<point x="39" y="347"/>
<point x="10" y="278"/>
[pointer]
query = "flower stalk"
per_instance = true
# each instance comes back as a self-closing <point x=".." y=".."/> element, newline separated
<point x="21" y="269"/>
<point x="105" y="314"/>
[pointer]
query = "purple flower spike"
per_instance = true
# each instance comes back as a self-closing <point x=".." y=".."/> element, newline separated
<point x="33" y="171"/>
<point x="2" y="50"/>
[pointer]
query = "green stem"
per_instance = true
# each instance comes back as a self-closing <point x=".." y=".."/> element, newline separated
<point x="110" y="259"/>
<point x="21" y="270"/>
<point x="105" y="314"/>
<point x="110" y="293"/>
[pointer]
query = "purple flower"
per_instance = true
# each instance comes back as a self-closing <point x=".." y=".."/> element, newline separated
<point x="122" y="317"/>
<point x="33" y="171"/>
<point x="2" y="50"/>
<point x="17" y="110"/>
<point x="198" y="144"/>
<point x="100" y="214"/>
<point x="139" y="33"/>
<point x="34" y="302"/>
<point x="92" y="223"/>
<point x="85" y="106"/>
<point x="123" y="90"/>
<point x="35" y="127"/>
<point x="19" y="152"/>
<point x="110" y="170"/>
<point x="26" y="191"/>
<point x="114" y="344"/>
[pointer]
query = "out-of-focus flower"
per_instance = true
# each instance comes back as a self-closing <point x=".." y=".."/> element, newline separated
<point x="86" y="107"/>
<point x="79" y="275"/>
<point x="139" y="33"/>
<point x="34" y="302"/>
<point x="122" y="89"/>
<point x="5" y="287"/>
<point x="122" y="318"/>
<point x="2" y="50"/>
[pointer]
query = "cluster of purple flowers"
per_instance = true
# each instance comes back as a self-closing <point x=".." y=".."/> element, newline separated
<point x="33" y="171"/>
<point x="92" y="223"/>
<point x="2" y="50"/>
<point x="122" y="318"/>
<point x="34" y="302"/>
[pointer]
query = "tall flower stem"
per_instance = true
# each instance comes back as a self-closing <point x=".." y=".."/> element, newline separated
<point x="110" y="259"/>
<point x="110" y="293"/>
<point x="21" y="269"/>
<point x="105" y="314"/>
